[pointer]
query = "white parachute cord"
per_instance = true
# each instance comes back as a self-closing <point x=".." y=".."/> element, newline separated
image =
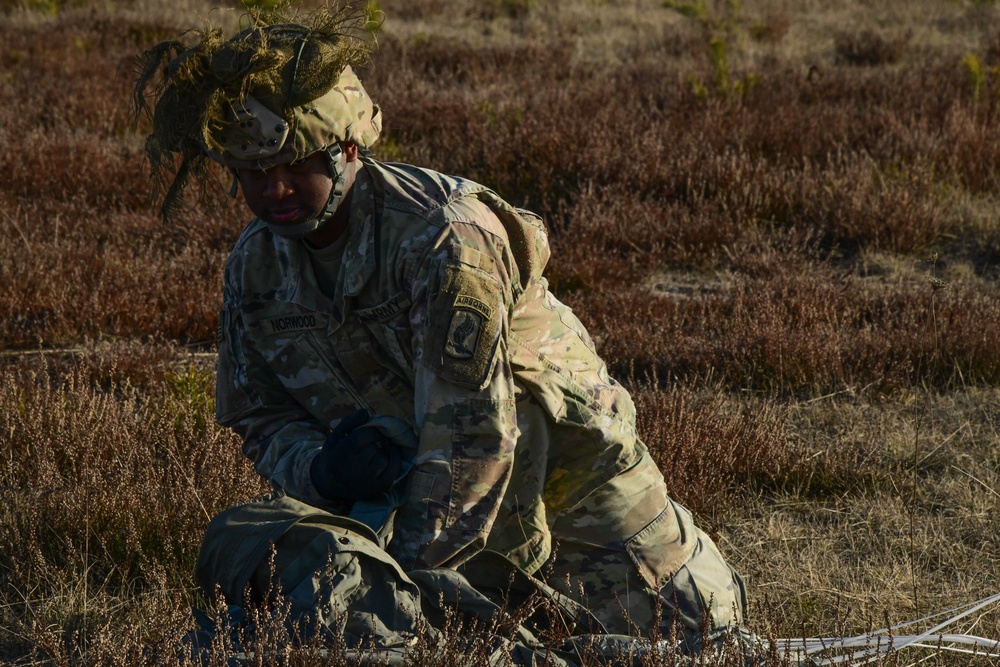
<point x="811" y="645"/>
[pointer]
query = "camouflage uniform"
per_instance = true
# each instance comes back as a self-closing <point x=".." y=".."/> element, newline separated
<point x="440" y="317"/>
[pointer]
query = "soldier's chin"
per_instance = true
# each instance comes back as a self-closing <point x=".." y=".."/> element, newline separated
<point x="295" y="230"/>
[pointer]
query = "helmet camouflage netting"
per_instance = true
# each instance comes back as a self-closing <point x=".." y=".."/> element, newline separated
<point x="276" y="92"/>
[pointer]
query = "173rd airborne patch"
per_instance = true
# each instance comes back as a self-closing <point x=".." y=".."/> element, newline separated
<point x="467" y="328"/>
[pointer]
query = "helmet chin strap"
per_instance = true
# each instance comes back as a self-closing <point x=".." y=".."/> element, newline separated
<point x="336" y="163"/>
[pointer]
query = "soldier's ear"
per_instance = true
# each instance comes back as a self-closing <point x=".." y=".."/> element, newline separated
<point x="350" y="151"/>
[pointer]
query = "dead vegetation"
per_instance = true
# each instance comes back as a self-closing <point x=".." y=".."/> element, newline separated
<point x="786" y="247"/>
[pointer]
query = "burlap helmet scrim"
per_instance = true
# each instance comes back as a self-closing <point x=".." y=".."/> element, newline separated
<point x="276" y="92"/>
<point x="256" y="137"/>
<point x="319" y="107"/>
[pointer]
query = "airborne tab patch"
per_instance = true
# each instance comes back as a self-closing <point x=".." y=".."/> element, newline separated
<point x="472" y="303"/>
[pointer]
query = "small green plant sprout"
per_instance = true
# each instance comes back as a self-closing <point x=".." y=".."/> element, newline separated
<point x="979" y="73"/>
<point x="389" y="150"/>
<point x="42" y="6"/>
<point x="191" y="395"/>
<point x="375" y="17"/>
<point x="975" y="73"/>
<point x="723" y="27"/>
<point x="266" y="5"/>
<point x="696" y="10"/>
<point x="490" y="114"/>
<point x="720" y="58"/>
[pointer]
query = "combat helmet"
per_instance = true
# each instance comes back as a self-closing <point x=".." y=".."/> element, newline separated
<point x="276" y="92"/>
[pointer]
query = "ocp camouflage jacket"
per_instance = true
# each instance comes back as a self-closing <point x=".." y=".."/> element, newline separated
<point x="441" y="318"/>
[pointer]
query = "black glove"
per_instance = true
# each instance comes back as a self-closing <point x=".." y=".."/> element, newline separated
<point x="357" y="461"/>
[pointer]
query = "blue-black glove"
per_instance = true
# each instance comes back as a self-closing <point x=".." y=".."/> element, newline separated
<point x="357" y="461"/>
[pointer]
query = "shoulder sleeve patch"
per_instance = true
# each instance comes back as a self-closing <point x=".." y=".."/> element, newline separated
<point x="465" y="324"/>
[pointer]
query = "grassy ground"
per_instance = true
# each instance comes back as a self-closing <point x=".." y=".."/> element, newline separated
<point x="778" y="219"/>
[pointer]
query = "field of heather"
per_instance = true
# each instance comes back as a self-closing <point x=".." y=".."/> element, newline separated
<point x="779" y="219"/>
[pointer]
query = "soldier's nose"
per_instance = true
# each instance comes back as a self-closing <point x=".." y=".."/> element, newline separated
<point x="278" y="184"/>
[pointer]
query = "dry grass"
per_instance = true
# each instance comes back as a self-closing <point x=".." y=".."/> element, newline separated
<point x="888" y="510"/>
<point x="791" y="256"/>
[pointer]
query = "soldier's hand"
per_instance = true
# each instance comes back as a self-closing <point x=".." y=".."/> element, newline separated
<point x="357" y="461"/>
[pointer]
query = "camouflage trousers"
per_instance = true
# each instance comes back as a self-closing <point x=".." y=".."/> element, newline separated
<point x="634" y="557"/>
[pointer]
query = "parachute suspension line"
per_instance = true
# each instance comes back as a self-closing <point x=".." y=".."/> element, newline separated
<point x="859" y="650"/>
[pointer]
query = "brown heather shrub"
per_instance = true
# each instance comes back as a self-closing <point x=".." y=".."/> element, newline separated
<point x="790" y="116"/>
<point x="103" y="365"/>
<point x="496" y="119"/>
<point x="60" y="293"/>
<point x="82" y="255"/>
<point x="546" y="137"/>
<point x="850" y="201"/>
<point x="870" y="48"/>
<point x="83" y="168"/>
<point x="419" y="9"/>
<point x="974" y="146"/>
<point x="105" y="496"/>
<point x="772" y="26"/>
<point x="784" y="328"/>
<point x="711" y="453"/>
<point x="613" y="238"/>
<point x="125" y="469"/>
<point x="856" y="205"/>
<point x="69" y="76"/>
<point x="837" y="472"/>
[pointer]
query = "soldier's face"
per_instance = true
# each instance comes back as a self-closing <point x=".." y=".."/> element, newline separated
<point x="287" y="194"/>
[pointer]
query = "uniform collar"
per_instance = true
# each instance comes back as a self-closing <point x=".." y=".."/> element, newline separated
<point x="360" y="253"/>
